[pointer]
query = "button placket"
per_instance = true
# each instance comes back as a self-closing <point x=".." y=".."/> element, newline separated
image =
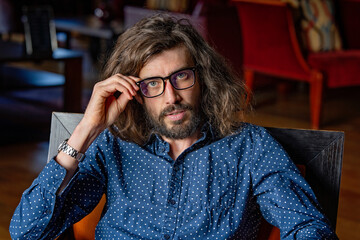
<point x="172" y="201"/>
<point x="171" y="212"/>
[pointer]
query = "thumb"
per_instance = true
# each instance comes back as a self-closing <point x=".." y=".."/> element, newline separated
<point x="115" y="108"/>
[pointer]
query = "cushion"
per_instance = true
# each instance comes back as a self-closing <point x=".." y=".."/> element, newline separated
<point x="341" y="68"/>
<point x="319" y="31"/>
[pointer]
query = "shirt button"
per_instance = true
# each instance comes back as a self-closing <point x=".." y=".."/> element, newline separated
<point x="166" y="236"/>
<point x="172" y="201"/>
<point x="176" y="168"/>
<point x="161" y="149"/>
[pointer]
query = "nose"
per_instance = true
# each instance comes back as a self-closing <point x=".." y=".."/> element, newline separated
<point x="170" y="93"/>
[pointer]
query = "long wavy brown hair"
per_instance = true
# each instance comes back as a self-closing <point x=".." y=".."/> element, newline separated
<point x="223" y="93"/>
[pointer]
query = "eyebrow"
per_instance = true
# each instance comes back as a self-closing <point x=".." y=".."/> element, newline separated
<point x="179" y="69"/>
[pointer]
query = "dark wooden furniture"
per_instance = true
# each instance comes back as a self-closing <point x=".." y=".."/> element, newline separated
<point x="102" y="36"/>
<point x="39" y="28"/>
<point x="318" y="153"/>
<point x="15" y="52"/>
<point x="88" y="26"/>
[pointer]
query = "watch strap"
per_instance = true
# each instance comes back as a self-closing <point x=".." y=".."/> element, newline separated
<point x="72" y="152"/>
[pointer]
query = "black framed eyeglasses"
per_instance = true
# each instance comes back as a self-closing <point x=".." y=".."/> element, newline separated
<point x="180" y="80"/>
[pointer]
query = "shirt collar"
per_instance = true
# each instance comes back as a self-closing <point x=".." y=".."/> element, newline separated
<point x="156" y="142"/>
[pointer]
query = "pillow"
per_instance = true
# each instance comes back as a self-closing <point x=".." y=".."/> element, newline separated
<point x="319" y="30"/>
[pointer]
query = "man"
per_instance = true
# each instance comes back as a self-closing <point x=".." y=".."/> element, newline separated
<point x="164" y="140"/>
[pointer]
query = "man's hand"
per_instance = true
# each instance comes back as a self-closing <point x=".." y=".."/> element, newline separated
<point x="104" y="108"/>
<point x="102" y="111"/>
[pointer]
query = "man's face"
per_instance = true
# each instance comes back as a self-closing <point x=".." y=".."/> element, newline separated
<point x="176" y="113"/>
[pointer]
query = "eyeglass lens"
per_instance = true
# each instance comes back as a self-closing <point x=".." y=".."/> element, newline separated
<point x="179" y="80"/>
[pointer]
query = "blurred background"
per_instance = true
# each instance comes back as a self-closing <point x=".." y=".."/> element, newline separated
<point x="300" y="58"/>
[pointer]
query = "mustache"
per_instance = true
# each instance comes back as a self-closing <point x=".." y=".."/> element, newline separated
<point x="174" y="107"/>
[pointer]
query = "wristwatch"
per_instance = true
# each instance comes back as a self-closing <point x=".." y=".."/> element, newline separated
<point x="72" y="152"/>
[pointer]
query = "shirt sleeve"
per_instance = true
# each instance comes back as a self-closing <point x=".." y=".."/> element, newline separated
<point x="42" y="214"/>
<point x="285" y="198"/>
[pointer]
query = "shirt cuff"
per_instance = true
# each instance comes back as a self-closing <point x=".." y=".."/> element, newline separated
<point x="52" y="176"/>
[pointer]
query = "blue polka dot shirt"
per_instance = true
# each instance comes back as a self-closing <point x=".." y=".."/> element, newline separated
<point x="216" y="189"/>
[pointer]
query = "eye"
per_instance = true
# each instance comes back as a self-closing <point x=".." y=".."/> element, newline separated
<point x="153" y="84"/>
<point x="181" y="75"/>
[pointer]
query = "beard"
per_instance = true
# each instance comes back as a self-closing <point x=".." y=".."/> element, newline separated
<point x="180" y="129"/>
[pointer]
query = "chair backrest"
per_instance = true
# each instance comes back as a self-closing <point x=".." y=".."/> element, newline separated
<point x="318" y="153"/>
<point x="350" y="22"/>
<point x="40" y="32"/>
<point x="5" y="16"/>
<point x="269" y="39"/>
<point x="321" y="153"/>
<point x="62" y="126"/>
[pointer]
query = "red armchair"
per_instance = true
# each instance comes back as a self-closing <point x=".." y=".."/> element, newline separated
<point x="350" y="22"/>
<point x="270" y="46"/>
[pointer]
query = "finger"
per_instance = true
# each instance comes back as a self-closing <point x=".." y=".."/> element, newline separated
<point x="135" y="79"/>
<point x="139" y="98"/>
<point x="115" y="108"/>
<point x="115" y="86"/>
<point x="132" y="80"/>
<point x="121" y="103"/>
<point x="127" y="83"/>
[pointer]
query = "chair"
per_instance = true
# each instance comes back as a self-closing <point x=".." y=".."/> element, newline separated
<point x="5" y="17"/>
<point x="62" y="125"/>
<point x="271" y="46"/>
<point x="317" y="153"/>
<point x="350" y="20"/>
<point x="40" y="32"/>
